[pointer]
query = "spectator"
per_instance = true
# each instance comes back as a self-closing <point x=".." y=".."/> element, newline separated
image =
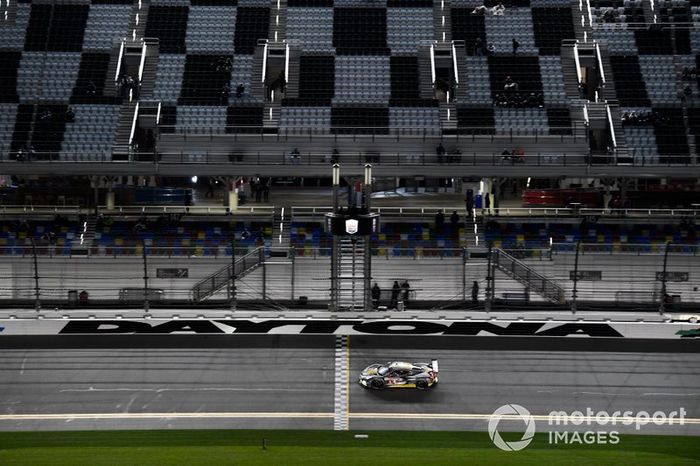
<point x="516" y="46"/>
<point x="70" y="115"/>
<point x="454" y="219"/>
<point x="266" y="192"/>
<point x="440" y="152"/>
<point x="490" y="50"/>
<point x="480" y="10"/>
<point x="469" y="202"/>
<point x="335" y="158"/>
<point x="240" y="89"/>
<point x="210" y="189"/>
<point x="475" y="292"/>
<point x="479" y="46"/>
<point x="487" y="203"/>
<point x="439" y="221"/>
<point x="498" y="10"/>
<point x="376" y="294"/>
<point x="225" y="91"/>
<point x="282" y="82"/>
<point x="406" y="290"/>
<point x="510" y="85"/>
<point x="519" y="155"/>
<point x="395" y="290"/>
<point x="295" y="156"/>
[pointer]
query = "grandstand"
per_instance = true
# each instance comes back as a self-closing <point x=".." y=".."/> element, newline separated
<point x="145" y="137"/>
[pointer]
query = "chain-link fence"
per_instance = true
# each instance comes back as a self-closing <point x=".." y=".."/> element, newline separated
<point x="643" y="276"/>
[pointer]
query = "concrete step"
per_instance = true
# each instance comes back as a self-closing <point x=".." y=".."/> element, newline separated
<point x="110" y="87"/>
<point x="150" y="68"/>
<point x="442" y="21"/>
<point x="126" y="118"/>
<point x="425" y="73"/>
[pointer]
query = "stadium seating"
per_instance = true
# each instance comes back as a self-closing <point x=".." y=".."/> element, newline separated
<point x="16" y="236"/>
<point x="184" y="238"/>
<point x="394" y="239"/>
<point x="512" y="234"/>
<point x="359" y="65"/>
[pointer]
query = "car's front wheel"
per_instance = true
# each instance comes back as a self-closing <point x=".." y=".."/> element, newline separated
<point x="377" y="384"/>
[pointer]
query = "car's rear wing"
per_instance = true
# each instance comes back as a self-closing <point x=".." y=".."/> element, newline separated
<point x="434" y="365"/>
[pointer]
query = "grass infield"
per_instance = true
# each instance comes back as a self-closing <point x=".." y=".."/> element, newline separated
<point x="303" y="447"/>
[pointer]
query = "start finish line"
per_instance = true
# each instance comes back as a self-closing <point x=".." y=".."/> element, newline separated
<point x="350" y="327"/>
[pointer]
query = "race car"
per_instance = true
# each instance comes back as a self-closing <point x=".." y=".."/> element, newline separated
<point x="420" y="375"/>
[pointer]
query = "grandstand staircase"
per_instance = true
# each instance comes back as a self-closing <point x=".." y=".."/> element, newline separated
<point x="139" y="18"/>
<point x="623" y="153"/>
<point x="126" y="120"/>
<point x="448" y="117"/>
<point x="292" y="91"/>
<point x="576" y="12"/>
<point x="84" y="243"/>
<point x="426" y="77"/>
<point x="461" y="87"/>
<point x="110" y="88"/>
<point x="281" y="227"/>
<point x="692" y="147"/>
<point x="278" y="21"/>
<point x="257" y="88"/>
<point x="527" y="276"/>
<point x="8" y="13"/>
<point x="649" y="15"/>
<point x="442" y="21"/>
<point x="470" y="241"/>
<point x="271" y="116"/>
<point x="150" y="68"/>
<point x="609" y="92"/>
<point x="351" y="279"/>
<point x="568" y="67"/>
<point x="121" y="150"/>
<point x="225" y="276"/>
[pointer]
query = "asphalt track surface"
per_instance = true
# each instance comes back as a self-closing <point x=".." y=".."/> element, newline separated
<point x="289" y="382"/>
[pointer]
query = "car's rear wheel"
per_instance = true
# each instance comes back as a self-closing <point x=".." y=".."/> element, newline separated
<point x="377" y="384"/>
<point x="422" y="384"/>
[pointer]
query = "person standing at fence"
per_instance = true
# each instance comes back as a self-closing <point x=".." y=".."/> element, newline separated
<point x="454" y="219"/>
<point x="469" y="202"/>
<point x="406" y="292"/>
<point x="376" y="295"/>
<point x="395" y="290"/>
<point x="475" y="292"/>
<point x="439" y="221"/>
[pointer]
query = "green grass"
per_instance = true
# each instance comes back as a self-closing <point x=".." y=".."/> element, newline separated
<point x="288" y="447"/>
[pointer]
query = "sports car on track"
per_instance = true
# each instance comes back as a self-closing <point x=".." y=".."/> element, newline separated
<point x="420" y="375"/>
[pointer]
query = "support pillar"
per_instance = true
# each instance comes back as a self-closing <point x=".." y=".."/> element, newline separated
<point x="367" y="251"/>
<point x="110" y="200"/>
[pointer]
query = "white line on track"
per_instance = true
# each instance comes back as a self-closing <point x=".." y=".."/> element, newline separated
<point x="73" y="416"/>
<point x="271" y="415"/>
<point x="623" y="394"/>
<point x="204" y="389"/>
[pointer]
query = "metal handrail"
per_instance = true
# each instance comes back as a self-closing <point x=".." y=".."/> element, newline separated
<point x="192" y="210"/>
<point x="548" y="288"/>
<point x="223" y="276"/>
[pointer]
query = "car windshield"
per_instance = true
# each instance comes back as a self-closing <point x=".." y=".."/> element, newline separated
<point x="382" y="370"/>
